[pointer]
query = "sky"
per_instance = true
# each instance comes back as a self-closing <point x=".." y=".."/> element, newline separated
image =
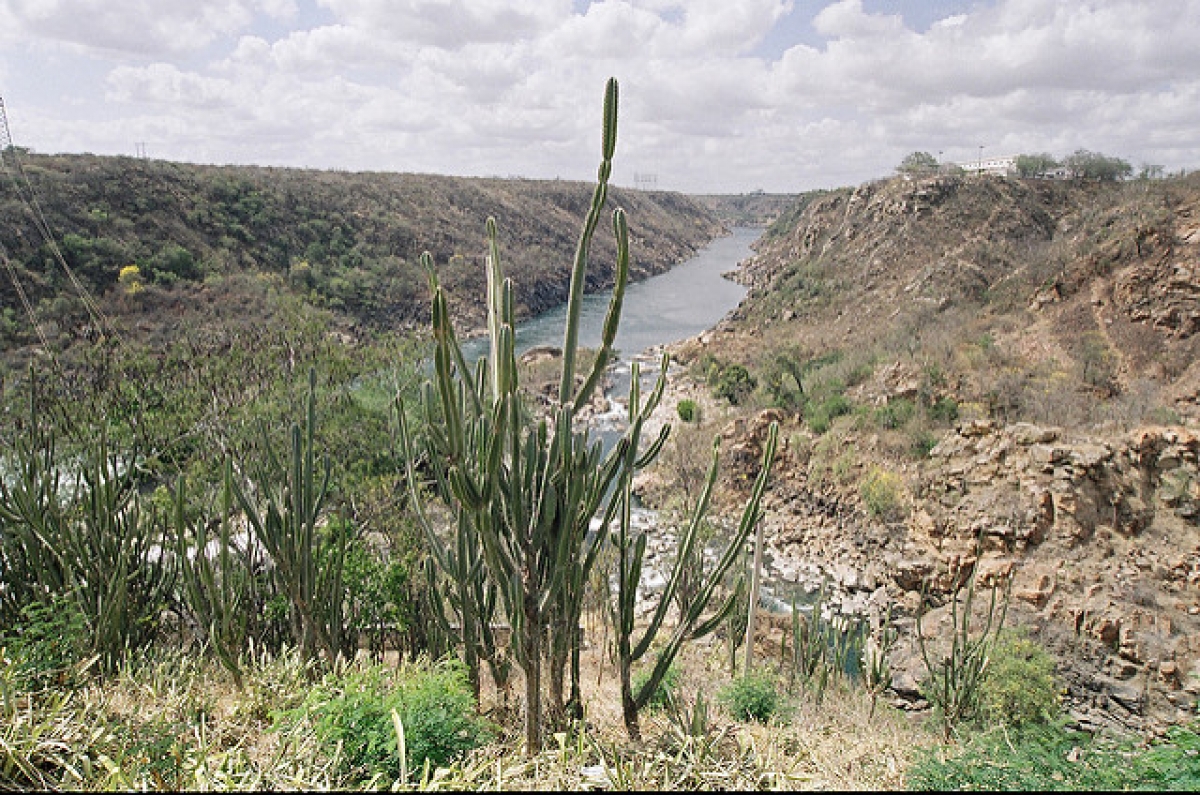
<point x="716" y="96"/>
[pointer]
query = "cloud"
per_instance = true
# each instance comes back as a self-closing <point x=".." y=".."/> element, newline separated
<point x="137" y="27"/>
<point x="710" y="98"/>
<point x="451" y="23"/>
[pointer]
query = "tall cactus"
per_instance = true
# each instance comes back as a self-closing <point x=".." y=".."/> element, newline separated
<point x="88" y="537"/>
<point x="525" y="488"/>
<point x="218" y="592"/>
<point x="631" y="549"/>
<point x="292" y="499"/>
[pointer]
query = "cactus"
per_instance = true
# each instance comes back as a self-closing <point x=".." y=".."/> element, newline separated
<point x="90" y="541"/>
<point x="307" y="569"/>
<point x="523" y="489"/>
<point x="630" y="552"/>
<point x="822" y="647"/>
<point x="954" y="680"/>
<point x="876" y="652"/>
<point x="219" y="593"/>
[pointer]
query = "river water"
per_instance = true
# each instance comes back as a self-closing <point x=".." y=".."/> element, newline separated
<point x="686" y="300"/>
<point x="670" y="307"/>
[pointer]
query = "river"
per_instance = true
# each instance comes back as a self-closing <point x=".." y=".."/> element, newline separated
<point x="690" y="298"/>
<point x="686" y="300"/>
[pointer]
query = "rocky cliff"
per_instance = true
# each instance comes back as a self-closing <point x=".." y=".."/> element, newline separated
<point x="1019" y="399"/>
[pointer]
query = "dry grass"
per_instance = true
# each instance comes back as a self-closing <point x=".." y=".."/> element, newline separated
<point x="170" y="721"/>
<point x="839" y="742"/>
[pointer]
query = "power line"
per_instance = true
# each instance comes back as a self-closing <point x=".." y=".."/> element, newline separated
<point x="34" y="207"/>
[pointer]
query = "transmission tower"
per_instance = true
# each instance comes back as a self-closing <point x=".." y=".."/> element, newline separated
<point x="5" y="136"/>
<point x="645" y="181"/>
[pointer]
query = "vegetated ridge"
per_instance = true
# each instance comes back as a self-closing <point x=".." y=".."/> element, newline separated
<point x="232" y="240"/>
<point x="989" y="375"/>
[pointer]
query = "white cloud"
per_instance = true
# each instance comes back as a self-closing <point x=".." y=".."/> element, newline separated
<point x="513" y="86"/>
<point x="137" y="27"/>
<point x="451" y="23"/>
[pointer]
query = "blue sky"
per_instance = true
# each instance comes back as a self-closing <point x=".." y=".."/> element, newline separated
<point x="778" y="95"/>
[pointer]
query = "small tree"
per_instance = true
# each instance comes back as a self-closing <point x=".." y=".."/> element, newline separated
<point x="1093" y="165"/>
<point x="1037" y="165"/>
<point x="918" y="164"/>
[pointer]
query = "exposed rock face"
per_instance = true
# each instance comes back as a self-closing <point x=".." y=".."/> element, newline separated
<point x="1060" y="319"/>
<point x="1101" y="539"/>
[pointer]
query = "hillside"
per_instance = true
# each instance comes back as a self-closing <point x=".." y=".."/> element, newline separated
<point x="205" y="237"/>
<point x="990" y="375"/>
<point x="747" y="209"/>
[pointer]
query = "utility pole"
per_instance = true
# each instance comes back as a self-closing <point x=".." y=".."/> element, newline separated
<point x="5" y="136"/>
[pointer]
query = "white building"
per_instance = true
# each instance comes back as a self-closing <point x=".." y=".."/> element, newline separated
<point x="1000" y="166"/>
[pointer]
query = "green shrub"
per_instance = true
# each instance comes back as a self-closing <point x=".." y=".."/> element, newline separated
<point x="943" y="409"/>
<point x="1018" y="687"/>
<point x="895" y="414"/>
<point x="48" y="645"/>
<point x="734" y="383"/>
<point x="434" y="702"/>
<point x="1055" y="758"/>
<point x="880" y="491"/>
<point x="820" y="416"/>
<point x="688" y="410"/>
<point x="667" y="689"/>
<point x="923" y="441"/>
<point x="752" y="697"/>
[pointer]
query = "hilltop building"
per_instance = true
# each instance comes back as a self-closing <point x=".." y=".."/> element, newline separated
<point x="1000" y="166"/>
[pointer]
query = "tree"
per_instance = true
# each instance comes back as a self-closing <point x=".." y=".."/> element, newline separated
<point x="918" y="164"/>
<point x="1037" y="165"/>
<point x="1093" y="165"/>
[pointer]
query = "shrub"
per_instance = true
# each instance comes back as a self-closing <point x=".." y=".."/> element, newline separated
<point x="667" y="689"/>
<point x="47" y="645"/>
<point x="1056" y="758"/>
<point x="944" y="409"/>
<point x="1019" y="687"/>
<point x="688" y="410"/>
<point x="895" y="414"/>
<point x="434" y="702"/>
<point x="130" y="277"/>
<point x="880" y="491"/>
<point x="923" y="441"/>
<point x="752" y="697"/>
<point x="820" y="416"/>
<point x="734" y="383"/>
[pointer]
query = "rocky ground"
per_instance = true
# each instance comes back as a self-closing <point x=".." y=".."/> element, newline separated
<point x="1062" y="320"/>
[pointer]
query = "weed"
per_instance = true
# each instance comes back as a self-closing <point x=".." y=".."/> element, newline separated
<point x="688" y="410"/>
<point x="47" y="645"/>
<point x="880" y="491"/>
<point x="666" y="691"/>
<point x="353" y="710"/>
<point x="1055" y="758"/>
<point x="754" y="697"/>
<point x="820" y="416"/>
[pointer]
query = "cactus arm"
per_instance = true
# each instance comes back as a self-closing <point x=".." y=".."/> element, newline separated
<point x="612" y="318"/>
<point x="575" y="298"/>
<point x="689" y="540"/>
